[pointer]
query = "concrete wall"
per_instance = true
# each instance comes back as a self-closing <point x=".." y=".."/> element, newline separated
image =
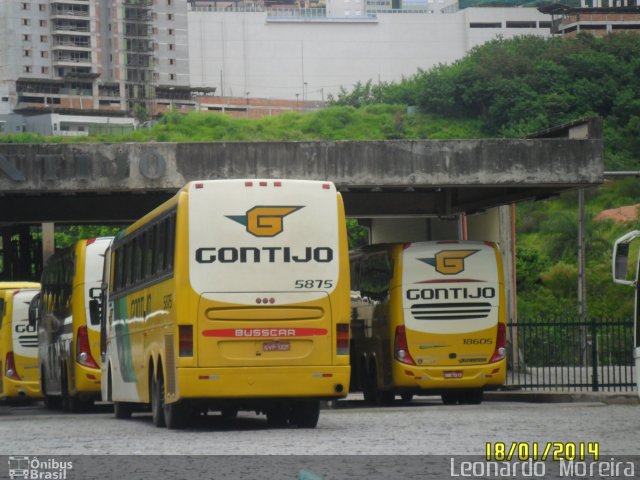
<point x="249" y="52"/>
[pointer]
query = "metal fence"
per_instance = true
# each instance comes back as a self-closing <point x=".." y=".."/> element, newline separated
<point x="595" y="355"/>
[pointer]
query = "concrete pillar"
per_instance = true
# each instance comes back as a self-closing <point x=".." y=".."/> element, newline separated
<point x="48" y="241"/>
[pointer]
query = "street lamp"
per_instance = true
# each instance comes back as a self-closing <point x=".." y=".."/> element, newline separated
<point x="247" y="108"/>
<point x="297" y="104"/>
<point x="304" y="95"/>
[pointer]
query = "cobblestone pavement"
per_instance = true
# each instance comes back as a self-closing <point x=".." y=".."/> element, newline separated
<point x="423" y="427"/>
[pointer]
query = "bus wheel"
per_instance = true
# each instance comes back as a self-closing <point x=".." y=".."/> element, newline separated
<point x="278" y="416"/>
<point x="122" y="410"/>
<point x="471" y="397"/>
<point x="305" y="413"/>
<point x="229" y="413"/>
<point x="450" y="398"/>
<point x="157" y="399"/>
<point x="406" y="397"/>
<point x="176" y="414"/>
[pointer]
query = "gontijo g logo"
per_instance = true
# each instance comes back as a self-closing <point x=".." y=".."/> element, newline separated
<point x="263" y="221"/>
<point x="449" y="262"/>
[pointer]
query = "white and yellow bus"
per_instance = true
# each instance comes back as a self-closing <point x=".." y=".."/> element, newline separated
<point x="233" y="295"/>
<point x="68" y="330"/>
<point x="18" y="342"/>
<point x="428" y="318"/>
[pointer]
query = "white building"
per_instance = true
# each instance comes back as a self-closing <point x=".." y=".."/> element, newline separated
<point x="308" y="57"/>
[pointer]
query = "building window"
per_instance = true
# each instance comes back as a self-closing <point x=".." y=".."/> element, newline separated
<point x="172" y="76"/>
<point x="26" y="38"/>
<point x="5" y="99"/>
<point x="168" y="2"/>
<point x="172" y="46"/>
<point x="26" y="22"/>
<point x="43" y="23"/>
<point x="44" y="38"/>
<point x="26" y="69"/>
<point x="543" y="24"/>
<point x="26" y="53"/>
<point x="520" y="24"/>
<point x="170" y="31"/>
<point x="45" y="70"/>
<point x="169" y="16"/>
<point x="485" y="25"/>
<point x="172" y="61"/>
<point x="42" y="7"/>
<point x="44" y="54"/>
<point x="26" y="6"/>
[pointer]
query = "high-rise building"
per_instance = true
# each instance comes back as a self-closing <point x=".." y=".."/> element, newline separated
<point x="92" y="57"/>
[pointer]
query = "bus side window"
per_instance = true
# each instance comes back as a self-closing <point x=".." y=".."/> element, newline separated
<point x="160" y="247"/>
<point x="375" y="274"/>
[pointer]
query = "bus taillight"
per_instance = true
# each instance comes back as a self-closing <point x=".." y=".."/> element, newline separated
<point x="185" y="340"/>
<point x="401" y="348"/>
<point x="500" y="351"/>
<point x="342" y="339"/>
<point x="10" y="367"/>
<point x="83" y="350"/>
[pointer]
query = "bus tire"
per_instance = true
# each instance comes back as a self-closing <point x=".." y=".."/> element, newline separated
<point x="157" y="398"/>
<point x="305" y="413"/>
<point x="450" y="398"/>
<point x="51" y="402"/>
<point x="229" y="413"/>
<point x="471" y="396"/>
<point x="278" y="416"/>
<point x="176" y="415"/>
<point x="122" y="410"/>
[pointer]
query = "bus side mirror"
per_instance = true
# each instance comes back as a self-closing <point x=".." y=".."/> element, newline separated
<point x="94" y="311"/>
<point x="620" y="261"/>
<point x="34" y="310"/>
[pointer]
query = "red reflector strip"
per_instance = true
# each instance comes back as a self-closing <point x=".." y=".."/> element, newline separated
<point x="322" y="375"/>
<point x="90" y="241"/>
<point x="274" y="332"/>
<point x="409" y="372"/>
<point x="326" y="186"/>
<point x="277" y="184"/>
<point x="185" y="340"/>
<point x="263" y="184"/>
<point x="248" y="184"/>
<point x="342" y="339"/>
<point x="199" y="185"/>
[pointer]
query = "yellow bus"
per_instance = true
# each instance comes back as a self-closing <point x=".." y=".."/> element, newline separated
<point x="68" y="333"/>
<point x="428" y="318"/>
<point x="18" y="342"/>
<point x="233" y="295"/>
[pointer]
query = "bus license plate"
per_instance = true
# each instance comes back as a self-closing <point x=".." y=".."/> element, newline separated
<point x="276" y="346"/>
<point x="453" y="374"/>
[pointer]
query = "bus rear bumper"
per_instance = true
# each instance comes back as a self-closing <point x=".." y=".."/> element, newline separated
<point x="17" y="389"/>
<point x="451" y="377"/>
<point x="325" y="382"/>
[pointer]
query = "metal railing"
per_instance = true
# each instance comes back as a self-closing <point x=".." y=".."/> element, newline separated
<point x="594" y="355"/>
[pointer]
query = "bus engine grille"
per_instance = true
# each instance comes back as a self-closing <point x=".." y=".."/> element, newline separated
<point x="450" y="311"/>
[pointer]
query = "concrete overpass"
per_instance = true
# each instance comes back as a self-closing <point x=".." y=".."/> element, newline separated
<point x="432" y="185"/>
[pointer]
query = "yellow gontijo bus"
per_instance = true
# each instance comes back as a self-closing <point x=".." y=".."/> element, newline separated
<point x="18" y="342"/>
<point x="233" y="295"/>
<point x="428" y="318"/>
<point x="68" y="332"/>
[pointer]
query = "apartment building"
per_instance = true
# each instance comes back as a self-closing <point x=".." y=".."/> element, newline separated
<point x="92" y="57"/>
